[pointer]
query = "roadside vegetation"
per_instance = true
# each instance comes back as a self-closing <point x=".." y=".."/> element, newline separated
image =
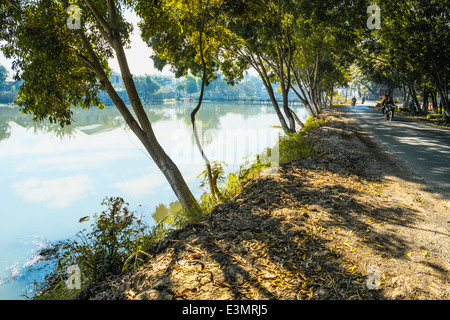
<point x="118" y="238"/>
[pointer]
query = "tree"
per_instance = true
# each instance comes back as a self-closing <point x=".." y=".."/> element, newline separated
<point x="412" y="44"/>
<point x="324" y="38"/>
<point x="146" y="86"/>
<point x="193" y="28"/>
<point x="3" y="75"/>
<point x="191" y="86"/>
<point x="63" y="67"/>
<point x="259" y="38"/>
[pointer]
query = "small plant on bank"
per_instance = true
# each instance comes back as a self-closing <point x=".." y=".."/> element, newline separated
<point x="116" y="242"/>
<point x="296" y="145"/>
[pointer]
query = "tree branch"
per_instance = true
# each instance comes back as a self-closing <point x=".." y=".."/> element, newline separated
<point x="15" y="5"/>
<point x="94" y="63"/>
<point x="98" y="16"/>
<point x="113" y="14"/>
<point x="103" y="26"/>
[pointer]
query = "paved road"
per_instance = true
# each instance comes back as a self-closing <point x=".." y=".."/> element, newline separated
<point x="425" y="147"/>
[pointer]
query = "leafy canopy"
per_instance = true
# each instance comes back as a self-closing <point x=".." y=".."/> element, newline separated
<point x="51" y="58"/>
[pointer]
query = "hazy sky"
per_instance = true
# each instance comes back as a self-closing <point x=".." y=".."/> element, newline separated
<point x="138" y="55"/>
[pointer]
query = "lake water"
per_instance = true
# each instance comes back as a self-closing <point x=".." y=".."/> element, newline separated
<point x="50" y="176"/>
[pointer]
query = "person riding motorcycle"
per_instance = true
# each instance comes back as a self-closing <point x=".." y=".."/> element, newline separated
<point x="388" y="106"/>
<point x="390" y="102"/>
<point x="353" y="101"/>
<point x="383" y="104"/>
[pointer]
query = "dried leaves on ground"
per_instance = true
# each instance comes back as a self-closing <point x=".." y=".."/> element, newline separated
<point x="351" y="222"/>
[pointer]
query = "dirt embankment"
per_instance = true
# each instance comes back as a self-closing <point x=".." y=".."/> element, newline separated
<point x="351" y="222"/>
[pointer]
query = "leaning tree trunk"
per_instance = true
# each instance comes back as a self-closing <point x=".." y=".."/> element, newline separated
<point x="287" y="110"/>
<point x="443" y="92"/>
<point x="304" y="98"/>
<point x="275" y="105"/>
<point x="425" y="100"/>
<point x="304" y="101"/>
<point x="142" y="127"/>
<point x="212" y="184"/>
<point x="434" y="101"/>
<point x="285" y="87"/>
<point x="414" y="97"/>
<point x="297" y="119"/>
<point x="264" y="77"/>
<point x="445" y="105"/>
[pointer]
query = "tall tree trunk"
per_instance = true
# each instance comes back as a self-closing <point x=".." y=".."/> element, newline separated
<point x="313" y="98"/>
<point x="284" y="86"/>
<point x="425" y="100"/>
<point x="305" y="101"/>
<point x="443" y="92"/>
<point x="313" y="85"/>
<point x="408" y="96"/>
<point x="405" y="95"/>
<point x="445" y="105"/>
<point x="142" y="127"/>
<point x="258" y="63"/>
<point x="212" y="184"/>
<point x="434" y="101"/>
<point x="275" y="105"/>
<point x="412" y="91"/>
<point x="303" y="98"/>
<point x="287" y="111"/>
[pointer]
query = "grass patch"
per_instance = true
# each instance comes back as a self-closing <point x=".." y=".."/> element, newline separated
<point x="296" y="145"/>
<point x="435" y="116"/>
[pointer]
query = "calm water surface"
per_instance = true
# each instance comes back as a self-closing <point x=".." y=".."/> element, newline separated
<point x="50" y="176"/>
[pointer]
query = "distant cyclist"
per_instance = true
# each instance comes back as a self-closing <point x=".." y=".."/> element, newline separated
<point x="353" y="101"/>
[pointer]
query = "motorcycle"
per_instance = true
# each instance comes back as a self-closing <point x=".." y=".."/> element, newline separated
<point x="353" y="103"/>
<point x="389" y="111"/>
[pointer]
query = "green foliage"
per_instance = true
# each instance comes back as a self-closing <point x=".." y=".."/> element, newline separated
<point x="296" y="145"/>
<point x="146" y="86"/>
<point x="183" y="34"/>
<point x="435" y="116"/>
<point x="116" y="242"/>
<point x="116" y="234"/>
<point x="3" y="75"/>
<point x="48" y="60"/>
<point x="411" y="48"/>
<point x="217" y="173"/>
<point x="183" y="216"/>
<point x="190" y="85"/>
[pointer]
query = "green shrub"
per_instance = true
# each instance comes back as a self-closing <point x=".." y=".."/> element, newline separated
<point x="116" y="242"/>
<point x="296" y="145"/>
<point x="435" y="116"/>
<point x="116" y="234"/>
